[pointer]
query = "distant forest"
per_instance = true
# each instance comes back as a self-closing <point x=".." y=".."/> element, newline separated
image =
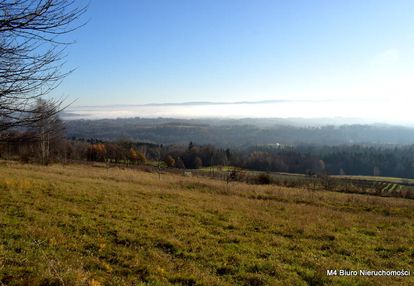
<point x="236" y="133"/>
<point x="305" y="159"/>
<point x="193" y="144"/>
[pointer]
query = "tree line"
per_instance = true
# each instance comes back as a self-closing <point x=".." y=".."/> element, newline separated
<point x="45" y="143"/>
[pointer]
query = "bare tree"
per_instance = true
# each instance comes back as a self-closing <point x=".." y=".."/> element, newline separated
<point x="31" y="56"/>
<point x="48" y="129"/>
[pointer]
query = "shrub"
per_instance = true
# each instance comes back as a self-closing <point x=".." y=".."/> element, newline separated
<point x="263" y="179"/>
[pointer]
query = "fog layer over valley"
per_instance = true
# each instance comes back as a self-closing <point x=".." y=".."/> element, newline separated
<point x="333" y="111"/>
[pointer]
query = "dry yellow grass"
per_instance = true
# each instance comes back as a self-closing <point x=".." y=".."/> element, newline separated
<point x="82" y="225"/>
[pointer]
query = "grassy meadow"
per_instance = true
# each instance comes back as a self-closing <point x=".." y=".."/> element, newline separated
<point x="84" y="225"/>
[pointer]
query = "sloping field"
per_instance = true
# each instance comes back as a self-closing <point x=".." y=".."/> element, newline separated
<point x="378" y="179"/>
<point x="82" y="225"/>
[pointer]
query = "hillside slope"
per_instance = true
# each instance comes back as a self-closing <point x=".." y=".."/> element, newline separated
<point x="235" y="133"/>
<point x="83" y="225"/>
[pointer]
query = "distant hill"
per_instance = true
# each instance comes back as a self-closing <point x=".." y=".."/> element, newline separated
<point x="237" y="132"/>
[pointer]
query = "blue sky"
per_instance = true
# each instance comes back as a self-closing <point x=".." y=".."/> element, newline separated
<point x="137" y="52"/>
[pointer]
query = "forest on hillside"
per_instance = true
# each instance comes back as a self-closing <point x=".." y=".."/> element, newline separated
<point x="355" y="159"/>
<point x="237" y="133"/>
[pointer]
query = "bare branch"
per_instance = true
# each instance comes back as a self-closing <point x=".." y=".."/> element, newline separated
<point x="32" y="55"/>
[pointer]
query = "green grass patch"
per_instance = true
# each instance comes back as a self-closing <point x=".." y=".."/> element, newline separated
<point x="79" y="225"/>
